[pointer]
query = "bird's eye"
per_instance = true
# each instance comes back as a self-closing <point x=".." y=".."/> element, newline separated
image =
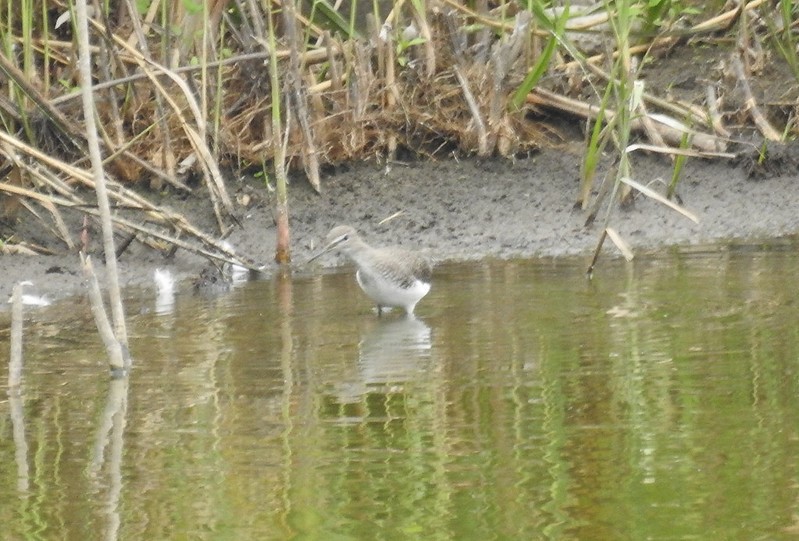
<point x="345" y="237"/>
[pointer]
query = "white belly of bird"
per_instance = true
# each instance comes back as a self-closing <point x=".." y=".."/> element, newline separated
<point x="388" y="293"/>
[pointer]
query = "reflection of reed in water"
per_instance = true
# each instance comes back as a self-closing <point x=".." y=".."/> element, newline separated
<point x="391" y="353"/>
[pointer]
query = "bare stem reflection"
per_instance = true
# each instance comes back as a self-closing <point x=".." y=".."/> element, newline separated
<point x="527" y="404"/>
<point x="111" y="432"/>
<point x="285" y="304"/>
<point x="15" y="403"/>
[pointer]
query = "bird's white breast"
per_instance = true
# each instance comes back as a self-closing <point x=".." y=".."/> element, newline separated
<point x="389" y="293"/>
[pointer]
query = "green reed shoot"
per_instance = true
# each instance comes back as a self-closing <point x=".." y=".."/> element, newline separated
<point x="596" y="145"/>
<point x="558" y="32"/>
<point x="622" y="88"/>
<point x="679" y="163"/>
<point x="6" y="41"/>
<point x="331" y="18"/>
<point x="26" y="11"/>
<point x="219" y="92"/>
<point x="45" y="39"/>
<point x="18" y="96"/>
<point x="623" y="93"/>
<point x="205" y="34"/>
<point x="783" y="38"/>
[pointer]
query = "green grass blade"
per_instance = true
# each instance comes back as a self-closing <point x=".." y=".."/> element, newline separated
<point x="596" y="145"/>
<point x="334" y="19"/>
<point x="540" y="67"/>
<point x="679" y="163"/>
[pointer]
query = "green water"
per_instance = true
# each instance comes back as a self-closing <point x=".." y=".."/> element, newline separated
<point x="658" y="401"/>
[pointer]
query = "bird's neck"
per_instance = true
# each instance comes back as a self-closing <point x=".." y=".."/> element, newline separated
<point x="358" y="251"/>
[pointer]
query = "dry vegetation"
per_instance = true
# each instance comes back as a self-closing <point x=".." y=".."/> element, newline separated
<point x="184" y="90"/>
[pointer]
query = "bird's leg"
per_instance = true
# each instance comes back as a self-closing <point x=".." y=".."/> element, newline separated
<point x="379" y="311"/>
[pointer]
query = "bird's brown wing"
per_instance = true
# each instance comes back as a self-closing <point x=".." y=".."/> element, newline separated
<point x="401" y="266"/>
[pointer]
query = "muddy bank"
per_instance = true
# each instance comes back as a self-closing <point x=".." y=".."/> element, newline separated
<point x="458" y="210"/>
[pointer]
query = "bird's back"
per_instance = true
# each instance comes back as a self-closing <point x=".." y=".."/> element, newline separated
<point x="400" y="266"/>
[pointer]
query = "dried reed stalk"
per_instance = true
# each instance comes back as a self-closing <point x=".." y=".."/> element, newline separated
<point x="60" y="121"/>
<point x="84" y="63"/>
<point x="713" y="110"/>
<point x="429" y="45"/>
<point x="702" y="141"/>
<point x="391" y="92"/>
<point x="283" y="245"/>
<point x="483" y="145"/>
<point x="299" y="97"/>
<point x="123" y="197"/>
<point x="345" y="109"/>
<point x="750" y="104"/>
<point x="504" y="55"/>
<point x="118" y="356"/>
<point x="168" y="158"/>
<point x="210" y="167"/>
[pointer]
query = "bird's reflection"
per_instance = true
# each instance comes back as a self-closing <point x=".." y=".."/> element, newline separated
<point x="164" y="291"/>
<point x="392" y="352"/>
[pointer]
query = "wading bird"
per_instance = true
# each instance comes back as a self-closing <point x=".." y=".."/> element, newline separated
<point x="390" y="276"/>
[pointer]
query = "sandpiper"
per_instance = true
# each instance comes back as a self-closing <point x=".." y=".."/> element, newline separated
<point x="389" y="276"/>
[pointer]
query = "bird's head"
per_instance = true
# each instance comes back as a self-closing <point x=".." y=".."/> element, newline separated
<point x="340" y="238"/>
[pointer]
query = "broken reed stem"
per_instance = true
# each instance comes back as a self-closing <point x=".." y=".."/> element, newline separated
<point x="482" y="132"/>
<point x="392" y="95"/>
<point x="84" y="63"/>
<point x="122" y="196"/>
<point x="649" y="126"/>
<point x="138" y="32"/>
<point x="676" y="108"/>
<point x="282" y="248"/>
<point x="719" y="23"/>
<point x="713" y="111"/>
<point x="424" y="31"/>
<point x="385" y="38"/>
<point x="15" y="359"/>
<point x="359" y="93"/>
<point x="210" y="167"/>
<point x="702" y="141"/>
<point x="503" y="56"/>
<point x="118" y="355"/>
<point x="176" y="221"/>
<point x="597" y="251"/>
<point x="60" y="121"/>
<point x="750" y="104"/>
<point x="335" y="73"/>
<point x="314" y="56"/>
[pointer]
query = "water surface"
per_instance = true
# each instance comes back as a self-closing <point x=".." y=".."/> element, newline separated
<point x="658" y="401"/>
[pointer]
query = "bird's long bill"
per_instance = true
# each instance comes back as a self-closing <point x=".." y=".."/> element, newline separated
<point x="331" y="245"/>
<point x="323" y="251"/>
